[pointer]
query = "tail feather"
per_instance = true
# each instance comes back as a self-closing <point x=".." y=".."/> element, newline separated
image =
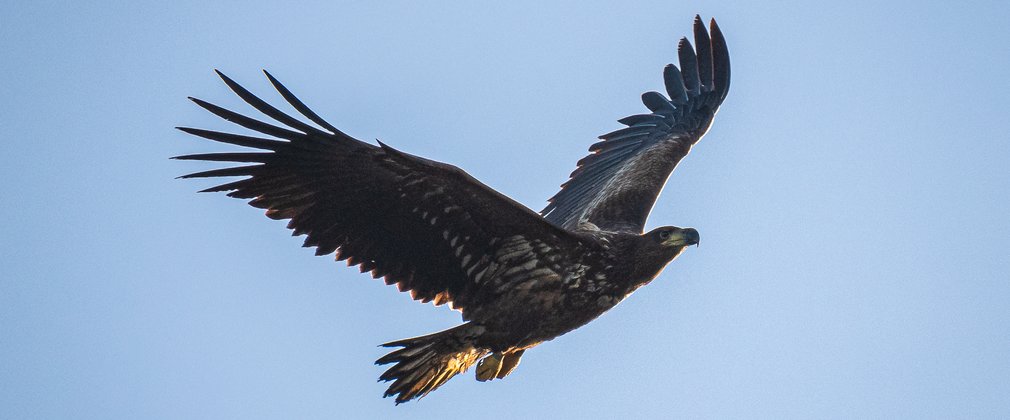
<point x="425" y="363"/>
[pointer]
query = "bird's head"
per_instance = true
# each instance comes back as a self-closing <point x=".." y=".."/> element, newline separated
<point x="659" y="246"/>
<point x="671" y="240"/>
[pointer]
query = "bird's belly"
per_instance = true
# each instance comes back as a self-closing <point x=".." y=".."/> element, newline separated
<point x="523" y="320"/>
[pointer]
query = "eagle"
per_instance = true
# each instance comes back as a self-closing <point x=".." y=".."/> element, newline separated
<point x="518" y="277"/>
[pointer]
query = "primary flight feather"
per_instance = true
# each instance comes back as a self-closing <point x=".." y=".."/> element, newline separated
<point x="519" y="278"/>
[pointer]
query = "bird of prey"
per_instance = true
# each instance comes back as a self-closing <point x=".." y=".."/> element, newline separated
<point x="519" y="277"/>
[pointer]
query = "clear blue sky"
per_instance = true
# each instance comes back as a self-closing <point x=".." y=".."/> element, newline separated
<point x="852" y="198"/>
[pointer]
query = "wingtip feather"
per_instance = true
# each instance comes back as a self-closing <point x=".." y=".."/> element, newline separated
<point x="720" y="60"/>
<point x="301" y="107"/>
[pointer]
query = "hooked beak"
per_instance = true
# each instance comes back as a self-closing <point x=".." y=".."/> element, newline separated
<point x="683" y="237"/>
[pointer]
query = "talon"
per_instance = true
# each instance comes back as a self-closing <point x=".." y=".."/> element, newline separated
<point x="488" y="367"/>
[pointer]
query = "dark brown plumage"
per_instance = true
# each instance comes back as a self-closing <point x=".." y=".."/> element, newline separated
<point x="433" y="230"/>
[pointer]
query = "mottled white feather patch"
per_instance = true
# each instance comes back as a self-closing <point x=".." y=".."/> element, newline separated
<point x="522" y="267"/>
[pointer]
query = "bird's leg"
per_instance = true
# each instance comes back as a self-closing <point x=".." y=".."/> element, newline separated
<point x="489" y="367"/>
<point x="509" y="363"/>
<point x="498" y="365"/>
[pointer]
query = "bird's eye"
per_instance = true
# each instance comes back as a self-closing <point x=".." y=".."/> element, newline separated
<point x="664" y="234"/>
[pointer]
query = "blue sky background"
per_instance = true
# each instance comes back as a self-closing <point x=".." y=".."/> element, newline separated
<point x="852" y="197"/>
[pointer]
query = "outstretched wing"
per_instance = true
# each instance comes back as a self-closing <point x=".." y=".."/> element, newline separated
<point x="616" y="186"/>
<point x="428" y="227"/>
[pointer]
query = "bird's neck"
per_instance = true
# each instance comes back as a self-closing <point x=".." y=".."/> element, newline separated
<point x="640" y="260"/>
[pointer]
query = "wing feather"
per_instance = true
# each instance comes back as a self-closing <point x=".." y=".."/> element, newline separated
<point x="703" y="46"/>
<point x="689" y="67"/>
<point x="419" y="224"/>
<point x="616" y="186"/>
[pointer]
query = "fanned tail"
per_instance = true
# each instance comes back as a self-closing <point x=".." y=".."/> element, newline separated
<point x="425" y="363"/>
